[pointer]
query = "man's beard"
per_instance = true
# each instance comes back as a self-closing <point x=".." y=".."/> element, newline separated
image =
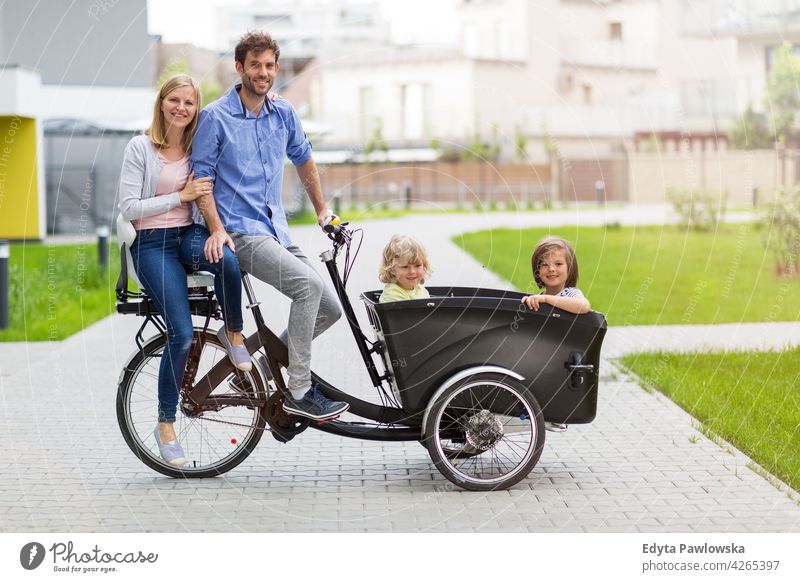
<point x="249" y="84"/>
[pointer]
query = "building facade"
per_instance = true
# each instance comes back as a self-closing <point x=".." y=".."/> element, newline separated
<point x="93" y="68"/>
<point x="589" y="73"/>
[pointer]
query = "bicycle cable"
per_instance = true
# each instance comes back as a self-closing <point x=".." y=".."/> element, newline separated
<point x="387" y="399"/>
<point x="349" y="261"/>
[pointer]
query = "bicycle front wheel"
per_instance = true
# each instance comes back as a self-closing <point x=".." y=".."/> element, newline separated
<point x="485" y="432"/>
<point x="215" y="440"/>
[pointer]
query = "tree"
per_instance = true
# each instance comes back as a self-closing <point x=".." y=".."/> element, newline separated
<point x="750" y="132"/>
<point x="478" y="150"/>
<point x="520" y="144"/>
<point x="781" y="222"/>
<point x="376" y="142"/>
<point x="782" y="98"/>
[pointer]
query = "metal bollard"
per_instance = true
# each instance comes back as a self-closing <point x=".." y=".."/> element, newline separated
<point x="600" y="191"/>
<point x="102" y="246"/>
<point x="337" y="202"/>
<point x="5" y="253"/>
<point x="755" y="195"/>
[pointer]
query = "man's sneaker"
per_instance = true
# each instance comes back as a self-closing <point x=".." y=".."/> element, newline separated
<point x="314" y="405"/>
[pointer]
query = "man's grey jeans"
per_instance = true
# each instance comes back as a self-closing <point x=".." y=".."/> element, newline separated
<point x="314" y="305"/>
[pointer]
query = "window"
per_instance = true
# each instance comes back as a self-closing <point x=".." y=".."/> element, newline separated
<point x="615" y="31"/>
<point x="415" y="109"/>
<point x="355" y="18"/>
<point x="587" y="94"/>
<point x="366" y="109"/>
<point x="471" y="40"/>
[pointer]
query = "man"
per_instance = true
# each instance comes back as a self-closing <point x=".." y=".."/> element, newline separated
<point x="241" y="141"/>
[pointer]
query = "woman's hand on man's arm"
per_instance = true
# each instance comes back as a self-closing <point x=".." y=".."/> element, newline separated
<point x="218" y="237"/>
<point x="194" y="189"/>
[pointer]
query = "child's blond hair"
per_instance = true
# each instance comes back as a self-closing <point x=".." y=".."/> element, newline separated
<point x="546" y="246"/>
<point x="406" y="249"/>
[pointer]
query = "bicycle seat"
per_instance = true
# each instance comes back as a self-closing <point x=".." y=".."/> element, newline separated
<point x="126" y="234"/>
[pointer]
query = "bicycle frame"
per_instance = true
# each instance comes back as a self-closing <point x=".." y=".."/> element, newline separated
<point x="393" y="423"/>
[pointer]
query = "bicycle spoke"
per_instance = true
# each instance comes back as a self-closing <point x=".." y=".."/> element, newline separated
<point x="499" y="433"/>
<point x="214" y="439"/>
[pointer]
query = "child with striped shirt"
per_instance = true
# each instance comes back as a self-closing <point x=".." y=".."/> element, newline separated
<point x="555" y="268"/>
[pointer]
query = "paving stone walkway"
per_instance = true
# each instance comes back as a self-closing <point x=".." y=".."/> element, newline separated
<point x="641" y="466"/>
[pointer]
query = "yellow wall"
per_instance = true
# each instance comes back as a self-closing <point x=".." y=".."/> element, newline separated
<point x="19" y="184"/>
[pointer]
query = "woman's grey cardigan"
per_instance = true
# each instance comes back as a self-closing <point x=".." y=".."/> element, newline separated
<point x="141" y="167"/>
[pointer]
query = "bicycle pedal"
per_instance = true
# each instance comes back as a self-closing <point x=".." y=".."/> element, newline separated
<point x="327" y="420"/>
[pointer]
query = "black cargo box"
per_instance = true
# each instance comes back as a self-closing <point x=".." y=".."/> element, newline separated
<point x="429" y="340"/>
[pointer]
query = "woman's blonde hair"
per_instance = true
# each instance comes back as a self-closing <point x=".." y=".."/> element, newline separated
<point x="158" y="128"/>
<point x="546" y="246"/>
<point x="402" y="248"/>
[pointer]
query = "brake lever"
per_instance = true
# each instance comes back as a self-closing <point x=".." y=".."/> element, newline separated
<point x="336" y="232"/>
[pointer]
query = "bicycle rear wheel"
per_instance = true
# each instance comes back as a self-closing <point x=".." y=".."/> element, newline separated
<point x="217" y="439"/>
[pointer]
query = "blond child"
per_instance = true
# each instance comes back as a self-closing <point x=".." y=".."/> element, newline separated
<point x="555" y="268"/>
<point x="404" y="268"/>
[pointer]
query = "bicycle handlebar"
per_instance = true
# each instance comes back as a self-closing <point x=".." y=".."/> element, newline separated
<point x="336" y="232"/>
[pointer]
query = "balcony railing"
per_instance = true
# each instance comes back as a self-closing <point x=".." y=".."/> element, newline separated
<point x="740" y="17"/>
<point x="609" y="53"/>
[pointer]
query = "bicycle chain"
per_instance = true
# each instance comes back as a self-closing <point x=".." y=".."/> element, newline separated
<point x="229" y="422"/>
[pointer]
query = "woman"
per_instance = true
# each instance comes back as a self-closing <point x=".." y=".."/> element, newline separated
<point x="157" y="193"/>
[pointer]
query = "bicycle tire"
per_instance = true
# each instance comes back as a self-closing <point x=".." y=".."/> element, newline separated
<point x="214" y="441"/>
<point x="499" y="417"/>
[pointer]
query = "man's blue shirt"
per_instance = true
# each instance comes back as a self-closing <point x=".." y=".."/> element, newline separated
<point x="244" y="155"/>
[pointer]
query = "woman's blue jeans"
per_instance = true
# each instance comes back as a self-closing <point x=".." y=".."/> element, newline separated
<point x="163" y="257"/>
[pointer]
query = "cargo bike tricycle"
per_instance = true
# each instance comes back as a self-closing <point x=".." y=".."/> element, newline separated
<point x="472" y="374"/>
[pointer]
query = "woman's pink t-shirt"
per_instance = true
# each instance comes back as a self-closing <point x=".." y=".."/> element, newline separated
<point x="172" y="178"/>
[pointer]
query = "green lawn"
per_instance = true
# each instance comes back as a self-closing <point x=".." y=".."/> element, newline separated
<point x="750" y="399"/>
<point x="380" y="212"/>
<point x="656" y="274"/>
<point x="308" y="216"/>
<point x="57" y="290"/>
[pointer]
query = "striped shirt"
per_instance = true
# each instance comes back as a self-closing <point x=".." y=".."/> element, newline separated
<point x="567" y="292"/>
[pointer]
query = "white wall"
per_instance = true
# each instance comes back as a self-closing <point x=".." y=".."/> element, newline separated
<point x="21" y="91"/>
<point x="544" y="49"/>
<point x="639" y="19"/>
<point x="586" y="34"/>
<point x="450" y="97"/>
<point x="614" y="71"/>
<point x="23" y="94"/>
<point x="502" y="92"/>
<point x="494" y="29"/>
<point x="123" y="106"/>
<point x="688" y="58"/>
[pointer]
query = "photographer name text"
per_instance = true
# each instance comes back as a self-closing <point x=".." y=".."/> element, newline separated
<point x="661" y="549"/>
